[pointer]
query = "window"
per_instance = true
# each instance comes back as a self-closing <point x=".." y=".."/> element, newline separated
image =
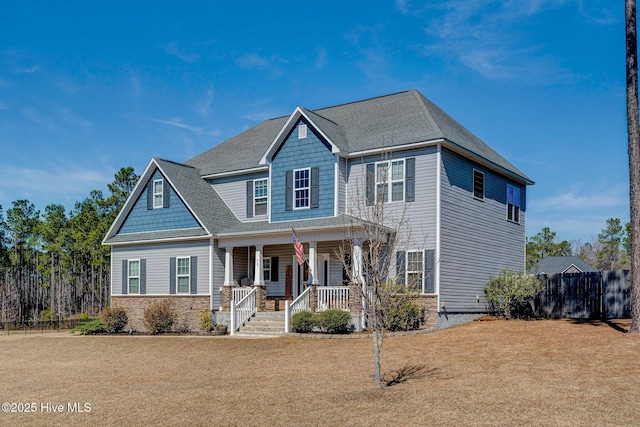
<point x="513" y="203"/>
<point x="133" y="277"/>
<point x="260" y="193"/>
<point x="157" y="193"/>
<point x="390" y="181"/>
<point x="266" y="269"/>
<point x="414" y="269"/>
<point x="183" y="274"/>
<point x="478" y="184"/>
<point x="301" y="186"/>
<point x="302" y="131"/>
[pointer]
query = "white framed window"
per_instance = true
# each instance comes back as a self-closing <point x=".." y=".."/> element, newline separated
<point x="302" y="131"/>
<point x="266" y="269"/>
<point x="183" y="274"/>
<point x="414" y="269"/>
<point x="157" y="193"/>
<point x="390" y="181"/>
<point x="260" y="195"/>
<point x="478" y="184"/>
<point x="301" y="188"/>
<point x="513" y="203"/>
<point x="133" y="276"/>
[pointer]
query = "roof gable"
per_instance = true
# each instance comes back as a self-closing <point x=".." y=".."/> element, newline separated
<point x="561" y="264"/>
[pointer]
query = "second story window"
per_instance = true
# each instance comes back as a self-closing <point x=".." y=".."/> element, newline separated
<point x="478" y="185"/>
<point x="513" y="203"/>
<point x="260" y="193"/>
<point x="301" y="186"/>
<point x="390" y="181"/>
<point x="157" y="193"/>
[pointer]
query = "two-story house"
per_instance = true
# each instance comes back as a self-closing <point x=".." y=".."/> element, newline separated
<point x="197" y="231"/>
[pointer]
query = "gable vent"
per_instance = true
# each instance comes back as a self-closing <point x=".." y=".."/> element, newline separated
<point x="302" y="131"/>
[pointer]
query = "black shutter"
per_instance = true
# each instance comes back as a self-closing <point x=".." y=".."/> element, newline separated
<point x="370" y="183"/>
<point x="410" y="180"/>
<point x="165" y="193"/>
<point x="150" y="195"/>
<point x="274" y="268"/>
<point x="143" y="276"/>
<point x="172" y="275"/>
<point x="288" y="199"/>
<point x="313" y="202"/>
<point x="429" y="266"/>
<point x="125" y="277"/>
<point x="400" y="264"/>
<point x="249" y="199"/>
<point x="194" y="275"/>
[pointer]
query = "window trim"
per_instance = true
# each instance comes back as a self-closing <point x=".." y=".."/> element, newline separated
<point x="266" y="270"/>
<point x="265" y="197"/>
<point x="183" y="275"/>
<point x="157" y="205"/>
<point x="481" y="174"/>
<point x="389" y="181"/>
<point x="130" y="276"/>
<point x="302" y="131"/>
<point x="513" y="209"/>
<point x="296" y="189"/>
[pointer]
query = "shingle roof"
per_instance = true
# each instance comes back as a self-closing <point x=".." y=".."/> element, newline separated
<point x="383" y="122"/>
<point x="557" y="264"/>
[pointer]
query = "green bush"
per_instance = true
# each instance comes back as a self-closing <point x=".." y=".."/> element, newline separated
<point x="206" y="322"/>
<point x="403" y="314"/>
<point x="510" y="294"/>
<point x="91" y="327"/>
<point x="159" y="317"/>
<point x="334" y="322"/>
<point x="45" y="315"/>
<point x="303" y="322"/>
<point x="114" y="319"/>
<point x="84" y="316"/>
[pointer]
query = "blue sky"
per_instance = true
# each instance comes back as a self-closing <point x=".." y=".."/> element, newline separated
<point x="89" y="87"/>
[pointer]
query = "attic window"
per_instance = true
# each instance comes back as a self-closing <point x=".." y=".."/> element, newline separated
<point x="302" y="131"/>
<point x="157" y="193"/>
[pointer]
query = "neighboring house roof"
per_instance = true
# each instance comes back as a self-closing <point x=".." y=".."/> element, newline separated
<point x="560" y="264"/>
<point x="386" y="122"/>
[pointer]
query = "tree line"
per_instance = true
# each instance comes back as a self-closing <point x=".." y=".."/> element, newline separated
<point x="53" y="264"/>
<point x="610" y="251"/>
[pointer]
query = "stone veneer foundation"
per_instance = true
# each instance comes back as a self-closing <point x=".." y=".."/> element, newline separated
<point x="187" y="309"/>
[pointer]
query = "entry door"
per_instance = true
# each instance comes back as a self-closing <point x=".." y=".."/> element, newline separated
<point x="301" y="274"/>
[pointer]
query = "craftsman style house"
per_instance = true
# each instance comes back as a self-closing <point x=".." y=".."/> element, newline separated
<point x="218" y="227"/>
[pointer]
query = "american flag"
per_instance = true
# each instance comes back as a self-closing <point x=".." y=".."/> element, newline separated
<point x="298" y="248"/>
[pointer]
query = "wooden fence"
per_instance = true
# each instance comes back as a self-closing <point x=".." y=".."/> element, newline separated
<point x="605" y="295"/>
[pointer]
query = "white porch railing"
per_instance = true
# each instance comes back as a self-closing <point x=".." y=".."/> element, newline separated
<point x="297" y="305"/>
<point x="241" y="292"/>
<point x="333" y="298"/>
<point x="243" y="309"/>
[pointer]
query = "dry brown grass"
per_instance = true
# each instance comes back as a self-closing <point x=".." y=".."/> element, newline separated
<point x="484" y="373"/>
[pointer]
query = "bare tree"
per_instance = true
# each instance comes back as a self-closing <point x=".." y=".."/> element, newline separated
<point x="634" y="158"/>
<point x="369" y="252"/>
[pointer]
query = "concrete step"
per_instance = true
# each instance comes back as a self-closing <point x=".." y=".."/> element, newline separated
<point x="263" y="324"/>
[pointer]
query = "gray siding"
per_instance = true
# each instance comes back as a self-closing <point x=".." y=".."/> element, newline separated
<point x="477" y="241"/>
<point x="234" y="193"/>
<point x="342" y="185"/>
<point x="157" y="264"/>
<point x="420" y="232"/>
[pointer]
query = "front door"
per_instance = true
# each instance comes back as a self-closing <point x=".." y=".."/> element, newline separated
<point x="301" y="274"/>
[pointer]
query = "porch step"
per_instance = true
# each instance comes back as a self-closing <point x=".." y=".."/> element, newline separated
<point x="270" y="324"/>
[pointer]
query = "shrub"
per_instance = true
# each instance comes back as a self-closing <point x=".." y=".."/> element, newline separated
<point x="206" y="322"/>
<point x="45" y="315"/>
<point x="91" y="327"/>
<point x="114" y="319"/>
<point x="403" y="314"/>
<point x="510" y="294"/>
<point x="334" y="322"/>
<point x="303" y="322"/>
<point x="159" y="317"/>
<point x="84" y="316"/>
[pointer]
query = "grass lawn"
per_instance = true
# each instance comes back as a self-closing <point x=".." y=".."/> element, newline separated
<point x="484" y="373"/>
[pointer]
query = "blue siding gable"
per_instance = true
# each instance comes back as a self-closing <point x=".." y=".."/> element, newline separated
<point x="296" y="153"/>
<point x="175" y="217"/>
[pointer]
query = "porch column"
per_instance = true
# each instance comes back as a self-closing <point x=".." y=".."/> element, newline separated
<point x="313" y="264"/>
<point x="258" y="275"/>
<point x="356" y="262"/>
<point x="228" y="266"/>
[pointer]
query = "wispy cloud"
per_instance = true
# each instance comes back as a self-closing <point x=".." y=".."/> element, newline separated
<point x="172" y="49"/>
<point x="252" y="61"/>
<point x="321" y="60"/>
<point x="203" y="107"/>
<point x="177" y="122"/>
<point x="54" y="116"/>
<point x="402" y="6"/>
<point x="578" y="197"/>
